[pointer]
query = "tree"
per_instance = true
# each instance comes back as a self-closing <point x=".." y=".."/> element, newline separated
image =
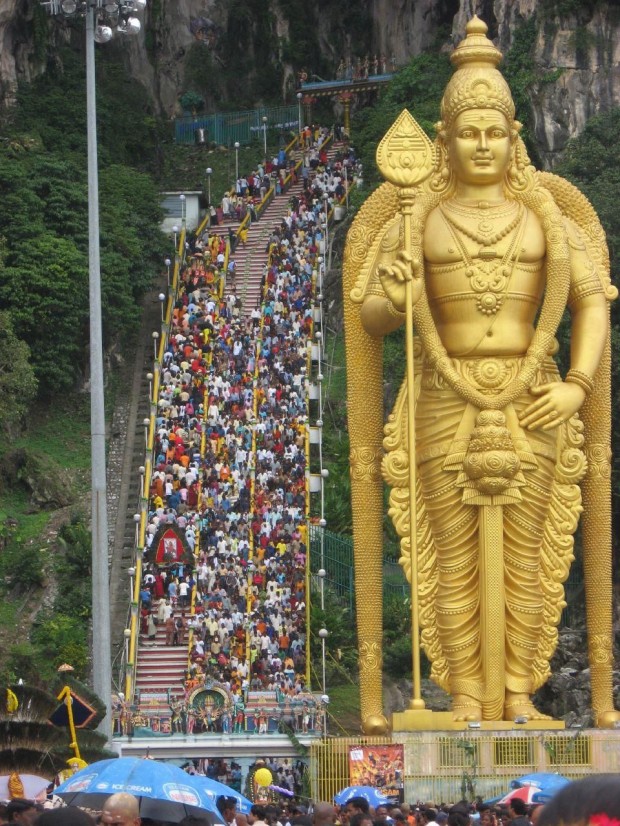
<point x="18" y="385"/>
<point x="45" y="288"/>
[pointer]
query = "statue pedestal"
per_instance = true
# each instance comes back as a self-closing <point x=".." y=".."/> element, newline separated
<point x="427" y="720"/>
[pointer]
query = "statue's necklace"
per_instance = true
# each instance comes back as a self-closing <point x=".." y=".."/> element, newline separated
<point x="479" y="217"/>
<point x="489" y="281"/>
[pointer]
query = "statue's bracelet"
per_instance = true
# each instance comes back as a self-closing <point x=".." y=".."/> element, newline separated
<point x="582" y="379"/>
<point x="393" y="311"/>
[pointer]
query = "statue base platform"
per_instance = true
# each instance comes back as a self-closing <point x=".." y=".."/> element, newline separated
<point x="427" y="720"/>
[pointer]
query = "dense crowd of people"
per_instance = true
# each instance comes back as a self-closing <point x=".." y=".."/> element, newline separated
<point x="229" y="470"/>
<point x="594" y="800"/>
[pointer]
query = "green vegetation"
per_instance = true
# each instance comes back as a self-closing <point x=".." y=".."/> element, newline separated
<point x="419" y="87"/>
<point x="54" y="448"/>
<point x="60" y="631"/>
<point x="43" y="219"/>
<point x="18" y="384"/>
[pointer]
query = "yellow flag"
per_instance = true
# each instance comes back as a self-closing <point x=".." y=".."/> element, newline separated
<point x="12" y="703"/>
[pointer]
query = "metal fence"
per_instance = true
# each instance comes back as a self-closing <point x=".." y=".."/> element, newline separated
<point x="445" y="766"/>
<point x="225" y="128"/>
<point x="334" y="553"/>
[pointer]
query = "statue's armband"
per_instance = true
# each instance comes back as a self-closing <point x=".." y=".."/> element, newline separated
<point x="584" y="278"/>
<point x="381" y="253"/>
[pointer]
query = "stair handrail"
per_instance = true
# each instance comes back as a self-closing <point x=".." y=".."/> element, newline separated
<point x="132" y="663"/>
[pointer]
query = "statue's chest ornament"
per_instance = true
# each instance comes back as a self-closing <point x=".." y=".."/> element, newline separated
<point x="488" y="274"/>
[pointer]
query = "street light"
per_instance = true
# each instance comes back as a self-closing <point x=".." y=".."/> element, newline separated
<point x="265" y="135"/>
<point x="168" y="262"/>
<point x="299" y="97"/>
<point x="237" y="145"/>
<point x="175" y="231"/>
<point x="162" y="299"/>
<point x="182" y="200"/>
<point x="102" y="18"/>
<point x="209" y="173"/>
<point x="326" y="202"/>
<point x="323" y="634"/>
<point x="127" y="637"/>
<point x="132" y="572"/>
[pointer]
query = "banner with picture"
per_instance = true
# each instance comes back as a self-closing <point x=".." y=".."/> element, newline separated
<point x="381" y="767"/>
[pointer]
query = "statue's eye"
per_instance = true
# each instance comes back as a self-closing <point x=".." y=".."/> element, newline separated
<point x="498" y="133"/>
<point x="467" y="133"/>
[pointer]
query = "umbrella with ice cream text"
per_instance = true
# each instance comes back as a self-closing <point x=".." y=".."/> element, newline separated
<point x="164" y="791"/>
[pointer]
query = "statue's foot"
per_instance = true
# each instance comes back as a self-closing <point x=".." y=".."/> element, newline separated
<point x="608" y="719"/>
<point x="520" y="705"/>
<point x="375" y="724"/>
<point x="466" y="709"/>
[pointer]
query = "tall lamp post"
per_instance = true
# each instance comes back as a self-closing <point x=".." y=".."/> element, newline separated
<point x="265" y="135"/>
<point x="102" y="17"/>
<point x="299" y="97"/>
<point x="326" y="256"/>
<point x="237" y="145"/>
<point x="209" y="173"/>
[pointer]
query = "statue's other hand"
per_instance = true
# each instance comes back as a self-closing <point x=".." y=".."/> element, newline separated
<point x="394" y="277"/>
<point x="555" y="404"/>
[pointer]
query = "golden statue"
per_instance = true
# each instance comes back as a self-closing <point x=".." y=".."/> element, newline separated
<point x="479" y="254"/>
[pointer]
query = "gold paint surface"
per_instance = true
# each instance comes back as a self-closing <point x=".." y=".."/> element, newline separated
<point x="496" y="251"/>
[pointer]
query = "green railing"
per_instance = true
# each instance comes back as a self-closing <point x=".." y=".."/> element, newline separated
<point x="224" y="128"/>
<point x="335" y="554"/>
<point x="336" y="557"/>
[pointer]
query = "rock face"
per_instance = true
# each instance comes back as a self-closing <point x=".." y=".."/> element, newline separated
<point x="44" y="481"/>
<point x="16" y="45"/>
<point x="583" y="45"/>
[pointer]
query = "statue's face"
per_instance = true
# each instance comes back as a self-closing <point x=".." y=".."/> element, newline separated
<point x="480" y="146"/>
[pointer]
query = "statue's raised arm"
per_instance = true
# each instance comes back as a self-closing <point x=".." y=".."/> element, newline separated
<point x="492" y="253"/>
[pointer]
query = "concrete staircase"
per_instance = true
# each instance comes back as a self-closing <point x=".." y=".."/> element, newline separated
<point x="250" y="260"/>
<point x="160" y="667"/>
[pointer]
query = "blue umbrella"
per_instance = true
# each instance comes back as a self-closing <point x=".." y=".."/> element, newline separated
<point x="545" y="781"/>
<point x="374" y="797"/>
<point x="164" y="791"/>
<point x="214" y="789"/>
<point x="543" y="785"/>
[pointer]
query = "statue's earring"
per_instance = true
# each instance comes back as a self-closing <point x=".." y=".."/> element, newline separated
<point x="445" y="169"/>
<point x="442" y="175"/>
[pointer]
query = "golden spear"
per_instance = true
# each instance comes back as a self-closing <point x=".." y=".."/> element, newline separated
<point x="405" y="158"/>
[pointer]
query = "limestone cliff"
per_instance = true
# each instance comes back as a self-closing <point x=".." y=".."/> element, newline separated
<point x="244" y="51"/>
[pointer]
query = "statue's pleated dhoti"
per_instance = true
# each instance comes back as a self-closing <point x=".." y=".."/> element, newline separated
<point x="444" y="424"/>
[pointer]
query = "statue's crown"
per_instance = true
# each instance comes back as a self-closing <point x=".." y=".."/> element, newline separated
<point x="477" y="83"/>
<point x="476" y="48"/>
